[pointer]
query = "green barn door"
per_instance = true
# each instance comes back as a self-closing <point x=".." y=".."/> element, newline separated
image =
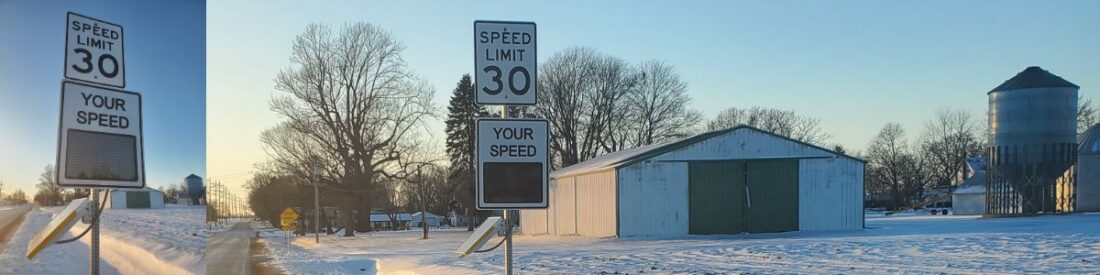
<point x="716" y="197"/>
<point x="772" y="196"/>
<point x="138" y="199"/>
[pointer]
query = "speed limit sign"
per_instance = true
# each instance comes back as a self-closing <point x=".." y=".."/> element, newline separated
<point x="505" y="62"/>
<point x="93" y="51"/>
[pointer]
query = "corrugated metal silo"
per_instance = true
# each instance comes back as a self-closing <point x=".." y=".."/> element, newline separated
<point x="195" y="189"/>
<point x="1032" y="144"/>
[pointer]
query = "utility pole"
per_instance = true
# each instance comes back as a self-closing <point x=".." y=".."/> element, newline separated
<point x="423" y="202"/>
<point x="316" y="205"/>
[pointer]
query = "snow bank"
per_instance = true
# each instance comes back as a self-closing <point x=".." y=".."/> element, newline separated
<point x="1064" y="244"/>
<point x="70" y="258"/>
<point x="171" y="240"/>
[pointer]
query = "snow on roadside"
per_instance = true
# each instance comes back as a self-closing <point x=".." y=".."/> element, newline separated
<point x="294" y="259"/>
<point x="70" y="258"/>
<point x="919" y="244"/>
<point x="171" y="240"/>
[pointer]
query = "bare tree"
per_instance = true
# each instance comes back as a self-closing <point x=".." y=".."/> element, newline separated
<point x="657" y="107"/>
<point x="948" y="139"/>
<point x="579" y="91"/>
<point x="349" y="98"/>
<point x="48" y="192"/>
<point x="893" y="169"/>
<point x="781" y="122"/>
<point x="1086" y="114"/>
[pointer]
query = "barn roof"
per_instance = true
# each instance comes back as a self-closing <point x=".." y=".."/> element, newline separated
<point x="1089" y="143"/>
<point x="638" y="154"/>
<point x="973" y="185"/>
<point x="1033" y="77"/>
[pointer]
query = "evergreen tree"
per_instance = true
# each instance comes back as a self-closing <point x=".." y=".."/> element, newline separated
<point x="462" y="113"/>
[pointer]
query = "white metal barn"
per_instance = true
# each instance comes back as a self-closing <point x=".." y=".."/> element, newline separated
<point x="136" y="198"/>
<point x="736" y="180"/>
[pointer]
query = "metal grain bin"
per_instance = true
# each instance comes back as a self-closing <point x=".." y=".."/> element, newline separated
<point x="1032" y="143"/>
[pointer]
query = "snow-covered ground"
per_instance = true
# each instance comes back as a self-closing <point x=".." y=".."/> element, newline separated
<point x="132" y="241"/>
<point x="1064" y="244"/>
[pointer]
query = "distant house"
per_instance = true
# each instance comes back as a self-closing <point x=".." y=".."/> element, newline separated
<point x="136" y="198"/>
<point x="1088" y="171"/>
<point x="433" y="220"/>
<point x="382" y="220"/>
<point x="969" y="197"/>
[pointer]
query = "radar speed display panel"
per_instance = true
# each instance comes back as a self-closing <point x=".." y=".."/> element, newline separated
<point x="99" y="139"/>
<point x="512" y="163"/>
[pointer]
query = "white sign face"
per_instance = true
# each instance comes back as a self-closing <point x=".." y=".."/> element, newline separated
<point x="505" y="62"/>
<point x="513" y="164"/>
<point x="99" y="138"/>
<point x="93" y="51"/>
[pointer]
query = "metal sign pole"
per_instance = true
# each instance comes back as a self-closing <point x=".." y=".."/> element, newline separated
<point x="507" y="220"/>
<point x="95" y="233"/>
<point x="508" y="242"/>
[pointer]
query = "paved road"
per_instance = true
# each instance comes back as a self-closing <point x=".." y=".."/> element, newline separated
<point x="8" y="214"/>
<point x="228" y="252"/>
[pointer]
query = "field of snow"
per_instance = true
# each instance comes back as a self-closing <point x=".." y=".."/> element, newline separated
<point x="1064" y="244"/>
<point x="132" y="241"/>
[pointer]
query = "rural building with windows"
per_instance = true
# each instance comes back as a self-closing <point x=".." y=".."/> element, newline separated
<point x="741" y="179"/>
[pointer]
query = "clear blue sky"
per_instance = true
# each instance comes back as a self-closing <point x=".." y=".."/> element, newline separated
<point x="856" y="65"/>
<point x="165" y="62"/>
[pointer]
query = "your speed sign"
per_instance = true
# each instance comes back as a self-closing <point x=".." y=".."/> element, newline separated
<point x="93" y="51"/>
<point x="505" y="62"/>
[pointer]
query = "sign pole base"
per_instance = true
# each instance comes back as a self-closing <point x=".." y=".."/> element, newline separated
<point x="508" y="217"/>
<point x="95" y="233"/>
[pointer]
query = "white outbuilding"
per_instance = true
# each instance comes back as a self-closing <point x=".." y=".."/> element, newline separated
<point x="741" y="179"/>
<point x="969" y="197"/>
<point x="432" y="219"/>
<point x="136" y="198"/>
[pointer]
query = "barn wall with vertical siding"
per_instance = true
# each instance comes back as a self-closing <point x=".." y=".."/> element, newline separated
<point x="653" y="199"/>
<point x="830" y="194"/>
<point x="582" y="205"/>
<point x="595" y="196"/>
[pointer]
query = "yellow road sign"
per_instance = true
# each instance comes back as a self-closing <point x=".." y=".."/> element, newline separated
<point x="288" y="217"/>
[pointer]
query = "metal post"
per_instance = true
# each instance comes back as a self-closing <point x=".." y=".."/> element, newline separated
<point x="95" y="233"/>
<point x="316" y="206"/>
<point x="507" y="220"/>
<point x="508" y="242"/>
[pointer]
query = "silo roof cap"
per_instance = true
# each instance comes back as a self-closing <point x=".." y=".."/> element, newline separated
<point x="1034" y="77"/>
